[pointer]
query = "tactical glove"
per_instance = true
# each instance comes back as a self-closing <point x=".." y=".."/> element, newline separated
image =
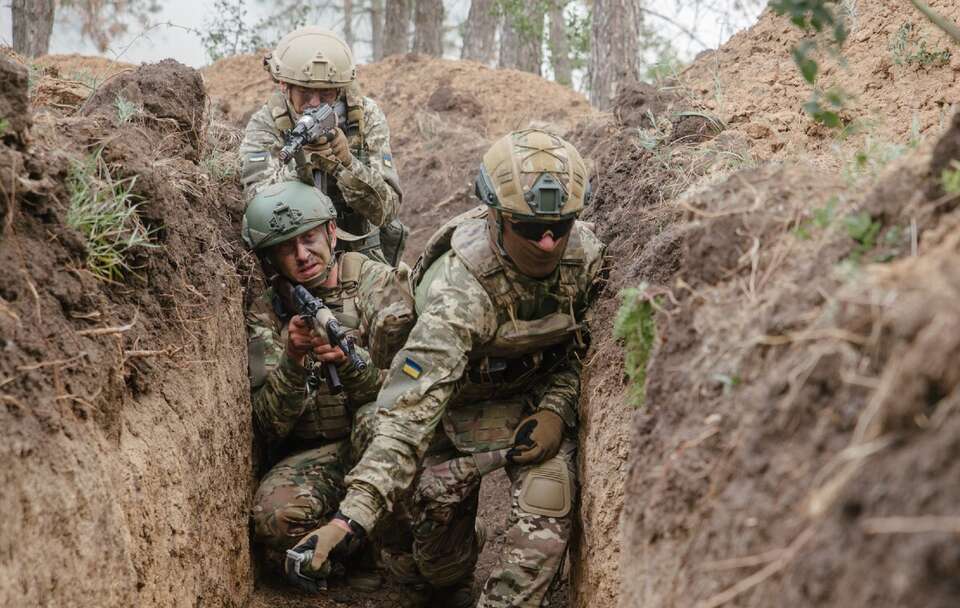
<point x="306" y="564"/>
<point x="537" y="438"/>
<point x="329" y="153"/>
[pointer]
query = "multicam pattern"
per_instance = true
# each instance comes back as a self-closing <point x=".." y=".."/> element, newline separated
<point x="301" y="491"/>
<point x="370" y="186"/>
<point x="457" y="319"/>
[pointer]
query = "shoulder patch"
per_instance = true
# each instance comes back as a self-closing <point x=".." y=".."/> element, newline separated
<point x="258" y="157"/>
<point x="412" y="368"/>
<point x="388" y="160"/>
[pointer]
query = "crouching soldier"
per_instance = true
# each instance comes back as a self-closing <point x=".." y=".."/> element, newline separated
<point x="353" y="165"/>
<point x="492" y="363"/>
<point x="292" y="228"/>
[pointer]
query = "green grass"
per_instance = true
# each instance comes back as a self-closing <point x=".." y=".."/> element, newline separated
<point x="104" y="211"/>
<point x="636" y="327"/>
<point x="909" y="47"/>
<point x="125" y="108"/>
<point x="4" y="126"/>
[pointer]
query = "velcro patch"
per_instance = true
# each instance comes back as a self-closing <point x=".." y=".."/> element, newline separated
<point x="412" y="368"/>
<point x="258" y="157"/>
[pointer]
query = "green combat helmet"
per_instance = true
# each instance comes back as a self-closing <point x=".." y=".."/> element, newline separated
<point x="283" y="211"/>
<point x="533" y="175"/>
<point x="312" y="57"/>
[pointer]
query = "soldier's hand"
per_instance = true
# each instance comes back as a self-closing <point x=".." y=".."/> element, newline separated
<point x="327" y="538"/>
<point x="537" y="438"/>
<point x="329" y="152"/>
<point x="326" y="353"/>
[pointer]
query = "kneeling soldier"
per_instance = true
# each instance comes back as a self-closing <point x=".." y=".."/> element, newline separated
<point x="493" y="362"/>
<point x="292" y="229"/>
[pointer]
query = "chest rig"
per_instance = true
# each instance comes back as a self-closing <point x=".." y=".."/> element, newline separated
<point x="537" y="328"/>
<point x="351" y="121"/>
<point x="328" y="417"/>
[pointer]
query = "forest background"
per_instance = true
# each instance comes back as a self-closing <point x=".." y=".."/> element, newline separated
<point x="590" y="45"/>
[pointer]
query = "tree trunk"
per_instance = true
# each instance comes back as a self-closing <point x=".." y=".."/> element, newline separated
<point x="428" y="28"/>
<point x="521" y="38"/>
<point x="348" y="23"/>
<point x="480" y="32"/>
<point x="396" y="39"/>
<point x="559" y="45"/>
<point x="376" y="28"/>
<point x="32" y="26"/>
<point x="614" y="48"/>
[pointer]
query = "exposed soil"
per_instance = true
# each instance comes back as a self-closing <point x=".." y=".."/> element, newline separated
<point x="797" y="439"/>
<point x="126" y="460"/>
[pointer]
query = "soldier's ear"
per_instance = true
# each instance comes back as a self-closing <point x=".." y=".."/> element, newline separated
<point x="332" y="234"/>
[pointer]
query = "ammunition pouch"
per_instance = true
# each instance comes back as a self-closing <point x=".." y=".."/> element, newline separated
<point x="393" y="240"/>
<point x="484" y="426"/>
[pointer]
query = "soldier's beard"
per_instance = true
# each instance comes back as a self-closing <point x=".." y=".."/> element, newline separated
<point x="527" y="256"/>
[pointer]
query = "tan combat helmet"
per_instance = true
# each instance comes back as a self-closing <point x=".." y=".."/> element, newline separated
<point x="534" y="174"/>
<point x="312" y="57"/>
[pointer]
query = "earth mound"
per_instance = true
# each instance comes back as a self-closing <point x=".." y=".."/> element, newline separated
<point x="900" y="74"/>
<point x="127" y="434"/>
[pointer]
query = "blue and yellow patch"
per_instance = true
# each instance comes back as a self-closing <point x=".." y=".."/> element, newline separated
<point x="412" y="368"/>
<point x="388" y="160"/>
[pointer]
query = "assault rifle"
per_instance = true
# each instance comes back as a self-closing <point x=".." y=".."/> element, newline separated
<point x="322" y="322"/>
<point x="314" y="124"/>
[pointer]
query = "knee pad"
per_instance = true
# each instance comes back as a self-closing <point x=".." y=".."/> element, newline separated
<point x="547" y="489"/>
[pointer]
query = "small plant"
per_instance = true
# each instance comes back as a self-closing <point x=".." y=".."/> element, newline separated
<point x="104" y="212"/>
<point x="950" y="178"/>
<point x="635" y="326"/>
<point x="815" y="17"/>
<point x="862" y="228"/>
<point x="126" y="109"/>
<point x="909" y="47"/>
<point x="4" y="126"/>
<point x="221" y="165"/>
<point x="821" y="220"/>
<point x="869" y="160"/>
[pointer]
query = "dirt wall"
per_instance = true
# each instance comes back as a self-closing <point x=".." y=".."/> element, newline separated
<point x="126" y="460"/>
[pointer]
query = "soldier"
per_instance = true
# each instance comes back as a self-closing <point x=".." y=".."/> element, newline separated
<point x="494" y="360"/>
<point x="354" y="167"/>
<point x="292" y="229"/>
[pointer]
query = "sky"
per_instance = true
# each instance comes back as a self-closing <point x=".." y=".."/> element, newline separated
<point x="180" y="22"/>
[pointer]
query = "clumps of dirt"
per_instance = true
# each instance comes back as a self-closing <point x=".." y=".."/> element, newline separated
<point x="638" y="104"/>
<point x="895" y="93"/>
<point x="798" y="435"/>
<point x="127" y="431"/>
<point x="15" y="119"/>
<point x="163" y="92"/>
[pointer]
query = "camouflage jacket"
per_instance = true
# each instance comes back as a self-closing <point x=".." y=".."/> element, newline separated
<point x="370" y="186"/>
<point x="442" y="366"/>
<point x="282" y="408"/>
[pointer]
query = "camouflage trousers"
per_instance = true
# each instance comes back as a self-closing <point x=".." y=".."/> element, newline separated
<point x="299" y="494"/>
<point x="445" y="543"/>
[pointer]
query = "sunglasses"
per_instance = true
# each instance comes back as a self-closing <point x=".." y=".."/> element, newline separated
<point x="534" y="231"/>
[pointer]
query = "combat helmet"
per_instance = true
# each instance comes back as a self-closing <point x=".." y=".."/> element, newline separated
<point x="282" y="211"/>
<point x="533" y="175"/>
<point x="312" y="57"/>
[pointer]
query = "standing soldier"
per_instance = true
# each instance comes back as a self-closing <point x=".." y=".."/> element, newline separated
<point x="354" y="166"/>
<point x="494" y="360"/>
<point x="292" y="229"/>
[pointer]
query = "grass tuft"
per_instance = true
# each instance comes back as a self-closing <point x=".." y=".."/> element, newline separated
<point x="635" y="326"/>
<point x="104" y="211"/>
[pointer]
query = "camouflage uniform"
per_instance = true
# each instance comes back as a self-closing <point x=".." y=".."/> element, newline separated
<point x="301" y="491"/>
<point x="366" y="195"/>
<point x="490" y="346"/>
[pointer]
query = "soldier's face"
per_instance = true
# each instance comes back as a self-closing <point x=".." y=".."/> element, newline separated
<point x="304" y="258"/>
<point x="302" y="98"/>
<point x="535" y="247"/>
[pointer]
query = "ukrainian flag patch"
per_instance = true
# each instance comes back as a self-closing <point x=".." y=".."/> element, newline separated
<point x="388" y="160"/>
<point x="412" y="368"/>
